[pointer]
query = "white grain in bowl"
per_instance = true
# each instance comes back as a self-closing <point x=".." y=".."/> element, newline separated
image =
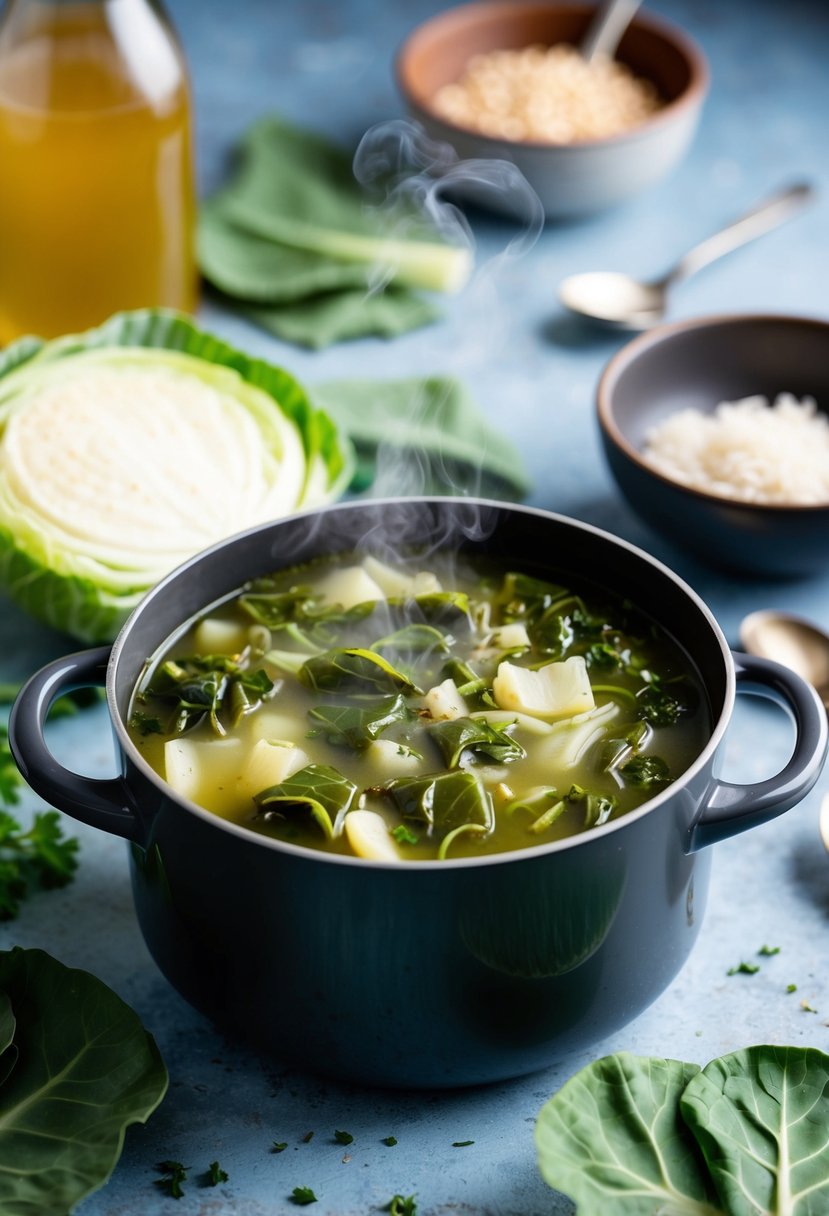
<point x="750" y="450"/>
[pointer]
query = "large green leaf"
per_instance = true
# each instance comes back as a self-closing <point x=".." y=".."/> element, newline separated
<point x="761" y="1116"/>
<point x="353" y="668"/>
<point x="477" y="738"/>
<point x="86" y="1069"/>
<point x="613" y="1140"/>
<point x="356" y="725"/>
<point x="318" y="790"/>
<point x="447" y="439"/>
<point x="297" y="188"/>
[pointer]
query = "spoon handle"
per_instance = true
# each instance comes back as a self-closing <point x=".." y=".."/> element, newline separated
<point x="760" y="219"/>
<point x="606" y="28"/>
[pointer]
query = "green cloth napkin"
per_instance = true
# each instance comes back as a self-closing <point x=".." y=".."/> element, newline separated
<point x="422" y="436"/>
<point x="291" y="241"/>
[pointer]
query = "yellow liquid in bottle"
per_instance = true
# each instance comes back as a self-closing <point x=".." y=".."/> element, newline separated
<point x="96" y="187"/>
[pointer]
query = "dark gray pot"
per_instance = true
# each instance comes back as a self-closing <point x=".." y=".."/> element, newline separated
<point x="434" y="973"/>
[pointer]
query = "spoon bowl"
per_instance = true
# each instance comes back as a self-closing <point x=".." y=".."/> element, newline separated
<point x="622" y="302"/>
<point x="615" y="300"/>
<point x="791" y="640"/>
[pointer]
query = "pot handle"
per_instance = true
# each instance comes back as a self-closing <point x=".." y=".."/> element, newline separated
<point x="103" y="803"/>
<point x="731" y="808"/>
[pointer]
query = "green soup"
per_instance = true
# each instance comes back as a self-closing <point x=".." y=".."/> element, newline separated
<point x="419" y="712"/>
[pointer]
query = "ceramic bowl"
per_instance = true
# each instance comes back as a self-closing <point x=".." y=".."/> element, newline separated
<point x="698" y="364"/>
<point x="570" y="179"/>
<point x="441" y="973"/>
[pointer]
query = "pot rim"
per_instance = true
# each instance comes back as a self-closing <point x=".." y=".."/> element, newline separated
<point x="512" y="856"/>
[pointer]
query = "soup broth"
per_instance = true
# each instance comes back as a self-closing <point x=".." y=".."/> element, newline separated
<point x="409" y="713"/>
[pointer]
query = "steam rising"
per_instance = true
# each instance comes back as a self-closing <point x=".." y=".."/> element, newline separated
<point x="397" y="163"/>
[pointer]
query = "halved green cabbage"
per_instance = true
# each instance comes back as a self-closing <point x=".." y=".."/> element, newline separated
<point x="126" y="449"/>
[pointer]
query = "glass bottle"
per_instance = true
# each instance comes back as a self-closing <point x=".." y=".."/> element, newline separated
<point x="97" y="201"/>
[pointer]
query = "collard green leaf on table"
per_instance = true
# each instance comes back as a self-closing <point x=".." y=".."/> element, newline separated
<point x="445" y="801"/>
<point x="482" y="741"/>
<point x="353" y="669"/>
<point x="316" y="790"/>
<point x="448" y="442"/>
<point x="355" y="726"/>
<point x="761" y="1116"/>
<point x="262" y="271"/>
<point x="340" y="316"/>
<point x="86" y="1069"/>
<point x="300" y="296"/>
<point x="298" y="188"/>
<point x="613" y="1140"/>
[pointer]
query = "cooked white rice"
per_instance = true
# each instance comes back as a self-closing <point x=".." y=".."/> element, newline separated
<point x="747" y="449"/>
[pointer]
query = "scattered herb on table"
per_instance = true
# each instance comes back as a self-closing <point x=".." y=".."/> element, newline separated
<point x="400" y="1206"/>
<point x="631" y="1134"/>
<point x="390" y="1141"/>
<point x="768" y="951"/>
<point x="303" y="1195"/>
<point x="279" y="1146"/>
<point x="67" y="1044"/>
<point x="743" y="969"/>
<point x="807" y="1006"/>
<point x="791" y="987"/>
<point x="215" y="1174"/>
<point x="39" y="857"/>
<point x="462" y="1143"/>
<point x="343" y="1137"/>
<point x="308" y="1137"/>
<point x="174" y="1175"/>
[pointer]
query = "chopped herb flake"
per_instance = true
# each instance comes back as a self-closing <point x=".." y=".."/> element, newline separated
<point x="303" y="1195"/>
<point x="279" y="1146"/>
<point x="807" y="1007"/>
<point x="791" y="987"/>
<point x="743" y="969"/>
<point x="308" y="1137"/>
<point x="404" y="835"/>
<point x="768" y="951"/>
<point x="215" y="1174"/>
<point x="462" y="1143"/>
<point x="174" y="1175"/>
<point x="403" y="1207"/>
<point x="343" y="1137"/>
<point x="390" y="1141"/>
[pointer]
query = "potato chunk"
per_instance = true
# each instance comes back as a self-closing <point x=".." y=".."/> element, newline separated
<point x="203" y="770"/>
<point x="369" y="836"/>
<point x="556" y="690"/>
<point x="397" y="582"/>
<point x="348" y="586"/>
<point x="215" y="636"/>
<point x="390" y="759"/>
<point x="268" y="763"/>
<point x="444" y="702"/>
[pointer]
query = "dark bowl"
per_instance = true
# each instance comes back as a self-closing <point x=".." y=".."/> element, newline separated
<point x="697" y="364"/>
<point x="424" y="973"/>
<point x="570" y="179"/>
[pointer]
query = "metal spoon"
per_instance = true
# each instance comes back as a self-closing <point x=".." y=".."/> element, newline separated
<point x="621" y="302"/>
<point x="605" y="30"/>
<point x="792" y="641"/>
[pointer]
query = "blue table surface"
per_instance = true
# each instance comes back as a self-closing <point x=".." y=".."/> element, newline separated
<point x="329" y="66"/>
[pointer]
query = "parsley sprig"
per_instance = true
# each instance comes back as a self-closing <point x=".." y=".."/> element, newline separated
<point x="36" y="858"/>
